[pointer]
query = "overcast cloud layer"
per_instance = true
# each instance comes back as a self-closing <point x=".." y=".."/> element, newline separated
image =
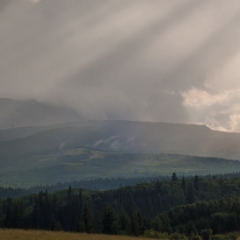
<point x="147" y="60"/>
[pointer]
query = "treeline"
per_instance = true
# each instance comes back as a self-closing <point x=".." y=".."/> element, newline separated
<point x="100" y="184"/>
<point x="132" y="210"/>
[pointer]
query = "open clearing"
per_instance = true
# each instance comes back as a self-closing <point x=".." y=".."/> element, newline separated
<point x="12" y="234"/>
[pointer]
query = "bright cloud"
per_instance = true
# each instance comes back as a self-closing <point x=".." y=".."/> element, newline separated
<point x="200" y="99"/>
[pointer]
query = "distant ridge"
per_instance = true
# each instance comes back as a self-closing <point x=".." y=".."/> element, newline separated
<point x="90" y="149"/>
<point x="16" y="113"/>
<point x="132" y="137"/>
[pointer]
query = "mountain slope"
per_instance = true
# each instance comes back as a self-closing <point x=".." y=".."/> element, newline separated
<point x="134" y="137"/>
<point x="116" y="148"/>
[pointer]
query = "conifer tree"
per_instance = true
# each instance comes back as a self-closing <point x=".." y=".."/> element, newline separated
<point x="183" y="184"/>
<point x="190" y="194"/>
<point x="87" y="218"/>
<point x="196" y="183"/>
<point x="174" y="177"/>
<point x="109" y="220"/>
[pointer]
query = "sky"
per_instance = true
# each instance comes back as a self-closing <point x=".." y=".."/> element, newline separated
<point x="144" y="60"/>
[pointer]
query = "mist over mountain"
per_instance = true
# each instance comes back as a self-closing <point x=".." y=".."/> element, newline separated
<point x="103" y="90"/>
<point x="128" y="137"/>
<point x="138" y="60"/>
<point x="16" y="113"/>
<point x="143" y="61"/>
<point x="90" y="149"/>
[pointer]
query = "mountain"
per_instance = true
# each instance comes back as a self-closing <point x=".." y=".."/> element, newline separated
<point x="16" y="113"/>
<point x="90" y="149"/>
<point x="128" y="137"/>
<point x="13" y="133"/>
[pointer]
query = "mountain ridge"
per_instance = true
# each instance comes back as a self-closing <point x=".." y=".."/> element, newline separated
<point x="23" y="113"/>
<point x="135" y="137"/>
<point x="91" y="149"/>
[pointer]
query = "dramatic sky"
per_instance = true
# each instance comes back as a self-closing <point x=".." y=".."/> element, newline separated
<point x="147" y="60"/>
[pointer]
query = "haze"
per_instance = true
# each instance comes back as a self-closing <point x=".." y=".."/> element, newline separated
<point x="145" y="60"/>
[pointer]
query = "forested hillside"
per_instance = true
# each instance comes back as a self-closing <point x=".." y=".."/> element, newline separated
<point x="91" y="184"/>
<point x="132" y="210"/>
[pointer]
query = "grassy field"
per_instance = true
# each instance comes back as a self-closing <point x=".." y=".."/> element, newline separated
<point x="14" y="234"/>
<point x="44" y="235"/>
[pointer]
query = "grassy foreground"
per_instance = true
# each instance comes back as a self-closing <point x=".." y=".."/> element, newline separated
<point x="12" y="234"/>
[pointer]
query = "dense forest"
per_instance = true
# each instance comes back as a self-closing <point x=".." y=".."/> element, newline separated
<point x="184" y="205"/>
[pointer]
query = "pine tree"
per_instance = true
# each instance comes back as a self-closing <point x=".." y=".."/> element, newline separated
<point x="70" y="194"/>
<point x="17" y="215"/>
<point x="190" y="194"/>
<point x="80" y="206"/>
<point x="109" y="220"/>
<point x="196" y="183"/>
<point x="36" y="214"/>
<point x="9" y="216"/>
<point x="87" y="218"/>
<point x="174" y="177"/>
<point x="183" y="184"/>
<point x="123" y="222"/>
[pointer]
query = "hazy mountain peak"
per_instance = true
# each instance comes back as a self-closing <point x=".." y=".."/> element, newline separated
<point x="20" y="113"/>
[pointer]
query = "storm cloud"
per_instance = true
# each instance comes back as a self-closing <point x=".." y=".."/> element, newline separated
<point x="146" y="60"/>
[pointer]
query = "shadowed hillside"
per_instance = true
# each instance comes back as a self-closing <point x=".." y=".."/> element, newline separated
<point x="93" y="149"/>
<point x="132" y="137"/>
